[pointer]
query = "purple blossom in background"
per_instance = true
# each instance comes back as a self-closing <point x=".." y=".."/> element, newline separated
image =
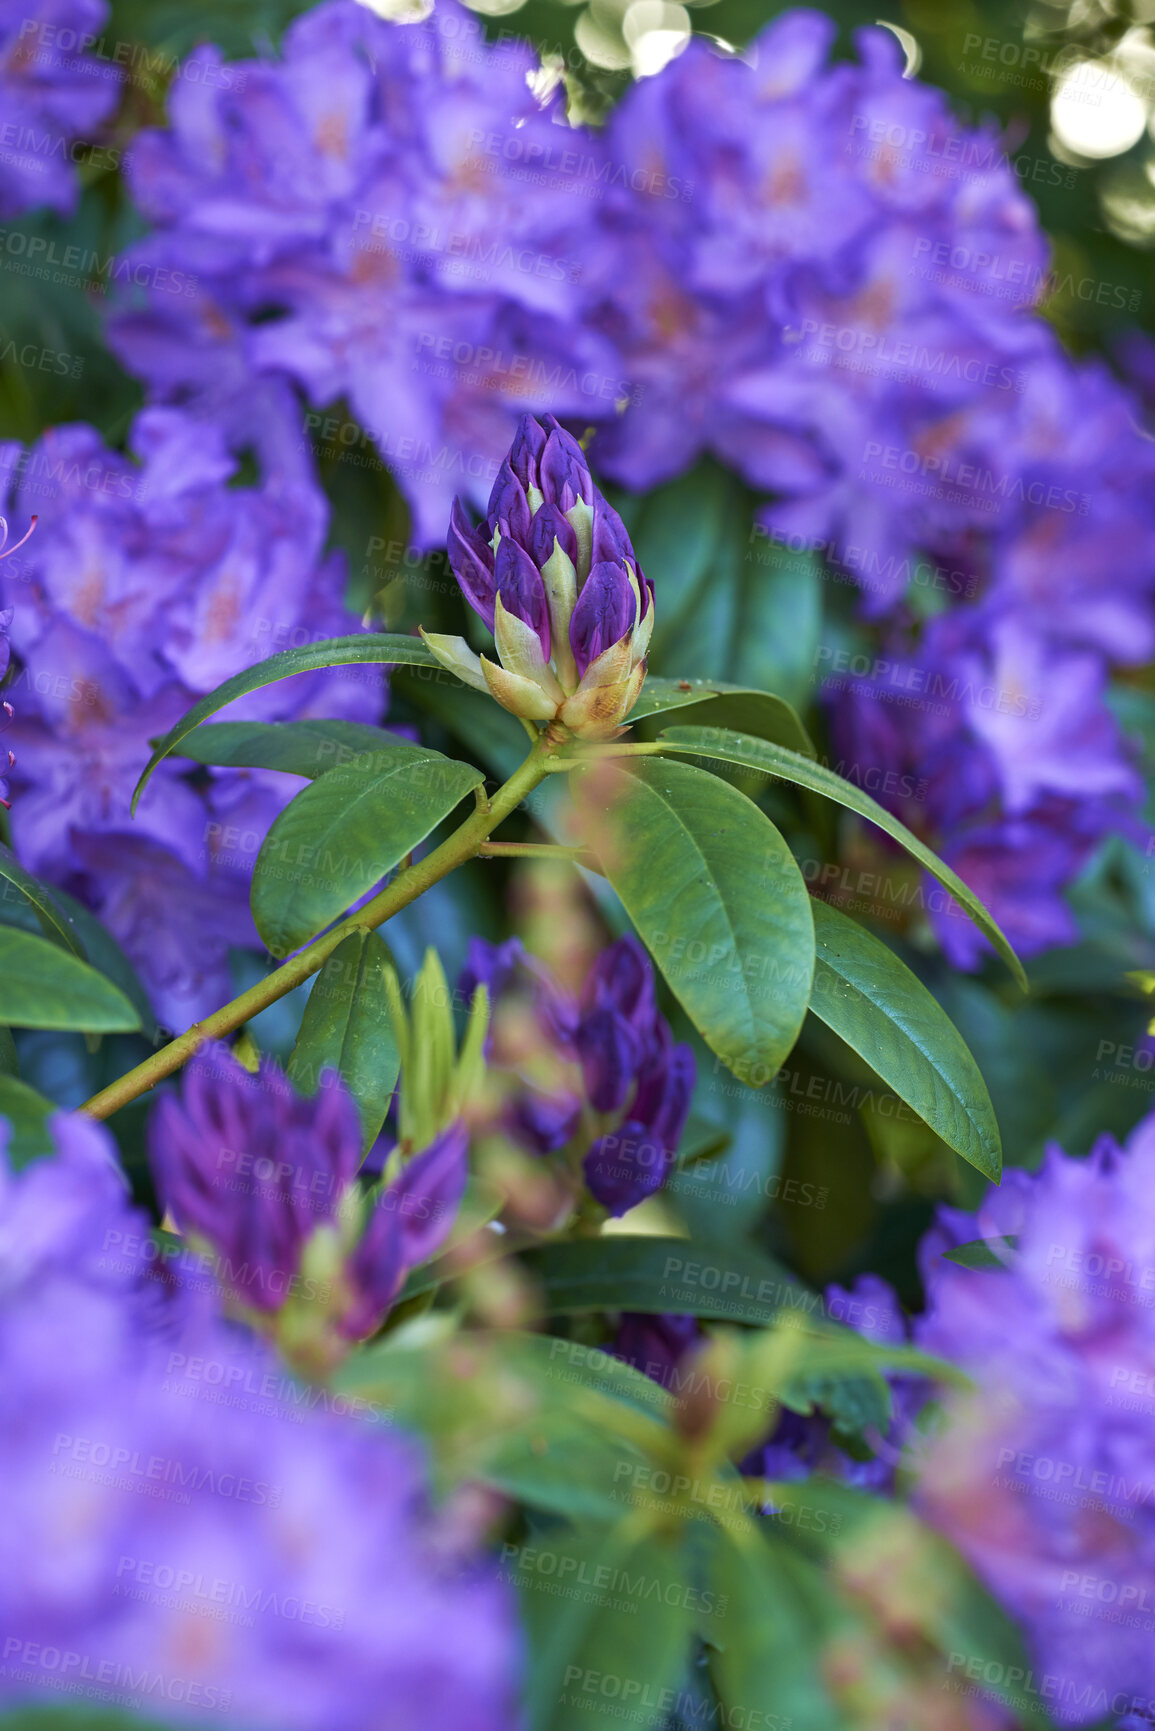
<point x="1000" y="751"/>
<point x="147" y="583"/>
<point x="183" y="1555"/>
<point x="383" y="215"/>
<point x="53" y="95"/>
<point x="267" y="1178"/>
<point x="1044" y="1476"/>
<point x="617" y="1058"/>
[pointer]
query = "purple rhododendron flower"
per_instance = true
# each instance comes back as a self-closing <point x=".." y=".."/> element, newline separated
<point x="256" y="1555"/>
<point x="146" y="584"/>
<point x="52" y="91"/>
<point x="1043" y="1475"/>
<point x="385" y="188"/>
<point x="264" y="1176"/>
<point x="616" y="1044"/>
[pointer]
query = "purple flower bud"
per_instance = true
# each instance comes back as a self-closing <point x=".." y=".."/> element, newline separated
<point x="252" y="1166"/>
<point x="622" y="978"/>
<point x="610" y="538"/>
<point x="489" y="965"/>
<point x="544" y="1122"/>
<point x="664" y="1094"/>
<point x="624" y="1168"/>
<point x="525" y="452"/>
<point x="547" y="527"/>
<point x="471" y="561"/>
<point x="565" y="475"/>
<point x="609" y="1050"/>
<point x="655" y="1344"/>
<point x="522" y="591"/>
<point x="508" y="506"/>
<point x="606" y="611"/>
<point x="408" y="1221"/>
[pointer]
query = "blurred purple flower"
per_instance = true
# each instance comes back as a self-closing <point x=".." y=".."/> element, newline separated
<point x="53" y="92"/>
<point x="254" y="1555"/>
<point x="1044" y="1475"/>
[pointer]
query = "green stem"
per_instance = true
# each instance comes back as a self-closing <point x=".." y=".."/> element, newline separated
<point x="575" y="760"/>
<point x="535" y="850"/>
<point x="464" y="844"/>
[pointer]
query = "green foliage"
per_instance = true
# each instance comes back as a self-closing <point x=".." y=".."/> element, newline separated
<point x="874" y="1002"/>
<point x="343" y="832"/>
<point x="43" y="985"/>
<point x="347" y="1027"/>
<point x="715" y="896"/>
<point x="374" y="649"/>
<point x="732" y="748"/>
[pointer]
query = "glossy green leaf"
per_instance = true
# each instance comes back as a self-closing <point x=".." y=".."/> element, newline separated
<point x="983" y="1253"/>
<point x="715" y="896"/>
<point x="721" y="1283"/>
<point x="347" y="1027"/>
<point x="28" y="1113"/>
<point x="344" y="832"/>
<point x="766" y="1662"/>
<point x="707" y="703"/>
<point x="874" y="1003"/>
<point x="55" y="921"/>
<point x="379" y="649"/>
<point x="774" y="760"/>
<point x="44" y="986"/>
<point x="623" y="1634"/>
<point x="307" y="748"/>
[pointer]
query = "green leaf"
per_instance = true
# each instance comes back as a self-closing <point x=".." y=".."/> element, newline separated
<point x="716" y="897"/>
<point x="882" y="1010"/>
<point x="43" y="986"/>
<point x="706" y="703"/>
<point x="767" y="1661"/>
<point x="494" y="736"/>
<point x="307" y="748"/>
<point x="982" y="1253"/>
<point x="721" y="1283"/>
<point x="109" y="959"/>
<point x="381" y="649"/>
<point x="54" y="921"/>
<point x="347" y="1027"/>
<point x="789" y="766"/>
<point x="28" y="1113"/>
<point x="342" y="834"/>
<point x="9" y="1062"/>
<point x="622" y="1636"/>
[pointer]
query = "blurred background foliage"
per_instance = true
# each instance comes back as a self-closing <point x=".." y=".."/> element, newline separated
<point x="818" y="1166"/>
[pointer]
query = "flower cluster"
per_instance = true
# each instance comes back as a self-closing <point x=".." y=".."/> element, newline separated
<point x="53" y="96"/>
<point x="266" y="1180"/>
<point x="1045" y="1475"/>
<point x="376" y="217"/>
<point x="555" y="578"/>
<point x="597" y="1081"/>
<point x="812" y="271"/>
<point x="146" y="584"/>
<point x="186" y="1531"/>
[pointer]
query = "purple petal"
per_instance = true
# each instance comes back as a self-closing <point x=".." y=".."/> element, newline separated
<point x="605" y="613"/>
<point x="549" y="525"/>
<point x="471" y="562"/>
<point x="508" y="506"/>
<point x="428" y="1194"/>
<point x="525" y="452"/>
<point x="489" y="965"/>
<point x="565" y="474"/>
<point x="623" y="1169"/>
<point x="609" y="1051"/>
<point x="622" y="978"/>
<point x="544" y="1122"/>
<point x="663" y="1097"/>
<point x="522" y="591"/>
<point x="610" y="539"/>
